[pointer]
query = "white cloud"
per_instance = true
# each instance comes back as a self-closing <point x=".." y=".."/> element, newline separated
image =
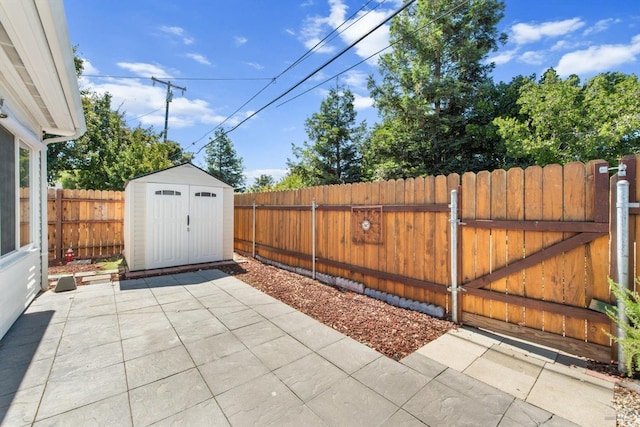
<point x="532" y="58"/>
<point x="361" y="102"/>
<point x="179" y="32"/>
<point x="600" y="26"/>
<point x="290" y="31"/>
<point x="276" y="174"/>
<point x="315" y="28"/>
<point x="198" y="58"/>
<point x="529" y="33"/>
<point x="240" y="40"/>
<point x="597" y="59"/>
<point x="254" y="65"/>
<point x="355" y="79"/>
<point x="143" y="69"/>
<point x="503" y="57"/>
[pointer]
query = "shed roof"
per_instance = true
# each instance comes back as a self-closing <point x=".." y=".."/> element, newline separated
<point x="186" y="173"/>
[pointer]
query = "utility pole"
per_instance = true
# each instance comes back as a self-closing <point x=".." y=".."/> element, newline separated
<point x="169" y="98"/>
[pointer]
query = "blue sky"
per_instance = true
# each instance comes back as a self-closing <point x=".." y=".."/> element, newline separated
<point x="225" y="52"/>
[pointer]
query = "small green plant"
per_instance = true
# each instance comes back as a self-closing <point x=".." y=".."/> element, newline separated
<point x="631" y="341"/>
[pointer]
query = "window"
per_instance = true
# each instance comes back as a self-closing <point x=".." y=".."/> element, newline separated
<point x="168" y="193"/>
<point x="7" y="193"/>
<point x="205" y="194"/>
<point x="25" y="196"/>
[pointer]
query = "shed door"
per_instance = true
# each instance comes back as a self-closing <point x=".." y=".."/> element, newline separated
<point x="167" y="238"/>
<point x="184" y="225"/>
<point x="205" y="229"/>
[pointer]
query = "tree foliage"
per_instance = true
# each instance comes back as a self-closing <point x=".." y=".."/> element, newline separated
<point x="430" y="84"/>
<point x="223" y="162"/>
<point x="109" y="153"/>
<point x="563" y="120"/>
<point x="262" y="183"/>
<point x="333" y="155"/>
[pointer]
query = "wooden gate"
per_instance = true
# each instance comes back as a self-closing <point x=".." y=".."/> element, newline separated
<point x="533" y="254"/>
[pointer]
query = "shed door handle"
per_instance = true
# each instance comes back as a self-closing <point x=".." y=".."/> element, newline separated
<point x="187" y="219"/>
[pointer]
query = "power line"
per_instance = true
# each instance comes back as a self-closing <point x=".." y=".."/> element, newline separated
<point x="181" y="78"/>
<point x="370" y="56"/>
<point x="335" y="57"/>
<point x="308" y="53"/>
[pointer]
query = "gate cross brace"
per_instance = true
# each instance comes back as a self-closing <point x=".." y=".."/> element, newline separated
<point x="536" y="258"/>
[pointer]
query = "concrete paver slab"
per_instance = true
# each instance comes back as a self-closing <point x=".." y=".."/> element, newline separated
<point x="258" y="333"/>
<point x="273" y="309"/>
<point x="454" y="352"/>
<point x="238" y="319"/>
<point x="261" y="401"/>
<point x="396" y="382"/>
<point x="280" y="351"/>
<point x="149" y="343"/>
<point x="214" y="347"/>
<point x="80" y="362"/>
<point x="152" y="367"/>
<point x="18" y="409"/>
<point x="168" y="396"/>
<point x="578" y="401"/>
<point x="28" y="374"/>
<point x="426" y="366"/>
<point x="70" y="392"/>
<point x="348" y="354"/>
<point x="348" y="402"/>
<point x="523" y="414"/>
<point x="231" y="371"/>
<point x="309" y="376"/>
<point x="504" y="372"/>
<point x="293" y="321"/>
<point x="317" y="335"/>
<point x="205" y="414"/>
<point x="441" y="405"/>
<point x="110" y="411"/>
<point x="402" y="419"/>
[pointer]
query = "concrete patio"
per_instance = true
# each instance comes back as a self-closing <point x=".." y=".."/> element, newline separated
<point x="203" y="348"/>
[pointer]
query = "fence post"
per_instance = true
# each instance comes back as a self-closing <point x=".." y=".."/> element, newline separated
<point x="313" y="239"/>
<point x="622" y="209"/>
<point x="254" y="229"/>
<point x="58" y="252"/>
<point x="454" y="255"/>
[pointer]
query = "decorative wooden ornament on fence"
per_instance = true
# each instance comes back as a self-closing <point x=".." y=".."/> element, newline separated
<point x="366" y="224"/>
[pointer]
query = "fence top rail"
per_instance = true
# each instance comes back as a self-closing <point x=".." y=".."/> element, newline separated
<point x="426" y="207"/>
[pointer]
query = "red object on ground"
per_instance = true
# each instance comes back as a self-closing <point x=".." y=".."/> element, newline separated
<point x="68" y="256"/>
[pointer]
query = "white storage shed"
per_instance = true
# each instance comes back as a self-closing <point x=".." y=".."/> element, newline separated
<point x="177" y="216"/>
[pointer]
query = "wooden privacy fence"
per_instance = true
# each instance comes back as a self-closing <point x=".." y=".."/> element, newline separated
<point x="532" y="251"/>
<point x="90" y="222"/>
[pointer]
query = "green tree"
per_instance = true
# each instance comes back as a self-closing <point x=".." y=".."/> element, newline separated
<point x="110" y="153"/>
<point x="223" y="162"/>
<point x="429" y="85"/>
<point x="333" y="154"/>
<point x="562" y="121"/>
<point x="291" y="181"/>
<point x="262" y="183"/>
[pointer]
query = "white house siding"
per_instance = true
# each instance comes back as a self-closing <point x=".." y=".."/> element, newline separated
<point x="21" y="275"/>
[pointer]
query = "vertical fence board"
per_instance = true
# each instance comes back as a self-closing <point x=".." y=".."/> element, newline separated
<point x="498" y="239"/>
<point x="552" y="210"/>
<point x="429" y="262"/>
<point x="468" y="241"/>
<point x="533" y="243"/>
<point x="515" y="240"/>
<point x="574" y="207"/>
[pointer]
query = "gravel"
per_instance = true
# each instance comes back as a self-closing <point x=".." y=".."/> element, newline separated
<point x="392" y="331"/>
